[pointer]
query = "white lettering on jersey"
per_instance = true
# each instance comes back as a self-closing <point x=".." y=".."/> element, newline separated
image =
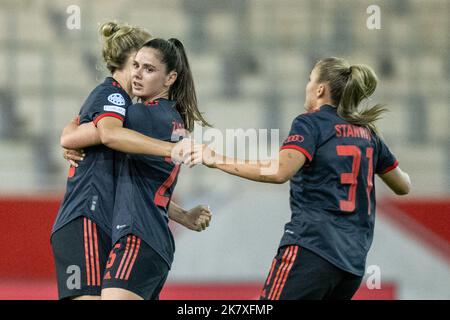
<point x="115" y="109"/>
<point x="117" y="99"/>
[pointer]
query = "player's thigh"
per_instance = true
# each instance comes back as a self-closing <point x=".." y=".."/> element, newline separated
<point x="299" y="274"/>
<point x="80" y="251"/>
<point x="135" y="267"/>
<point x="346" y="288"/>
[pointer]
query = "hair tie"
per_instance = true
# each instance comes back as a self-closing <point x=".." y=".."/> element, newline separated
<point x="349" y="71"/>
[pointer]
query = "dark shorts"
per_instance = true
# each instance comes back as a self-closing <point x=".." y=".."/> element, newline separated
<point x="80" y="250"/>
<point x="299" y="274"/>
<point x="134" y="266"/>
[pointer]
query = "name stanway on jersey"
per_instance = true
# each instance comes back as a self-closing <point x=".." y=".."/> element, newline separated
<point x="332" y="197"/>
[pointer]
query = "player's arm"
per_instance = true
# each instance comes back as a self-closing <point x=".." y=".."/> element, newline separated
<point x="270" y="171"/>
<point x="196" y="219"/>
<point x="76" y="136"/>
<point x="111" y="133"/>
<point x="115" y="136"/>
<point x="397" y="180"/>
<point x="388" y="170"/>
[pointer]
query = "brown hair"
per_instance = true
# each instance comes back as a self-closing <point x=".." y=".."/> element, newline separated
<point x="119" y="40"/>
<point x="173" y="55"/>
<point x="349" y="85"/>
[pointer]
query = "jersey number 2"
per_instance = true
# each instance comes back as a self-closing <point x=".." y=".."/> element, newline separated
<point x="351" y="178"/>
<point x="160" y="197"/>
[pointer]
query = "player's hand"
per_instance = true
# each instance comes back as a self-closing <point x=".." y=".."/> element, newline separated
<point x="198" y="218"/>
<point x="182" y="149"/>
<point x="202" y="154"/>
<point x="73" y="155"/>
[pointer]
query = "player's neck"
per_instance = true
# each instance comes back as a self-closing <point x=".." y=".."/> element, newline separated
<point x="161" y="95"/>
<point x="323" y="101"/>
<point x="121" y="77"/>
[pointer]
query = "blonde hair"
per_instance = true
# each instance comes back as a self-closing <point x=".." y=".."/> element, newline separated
<point x="349" y="85"/>
<point x="119" y="40"/>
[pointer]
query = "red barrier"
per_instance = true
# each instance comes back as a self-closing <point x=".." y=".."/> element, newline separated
<point x="46" y="290"/>
<point x="26" y="224"/>
<point x="431" y="214"/>
<point x="25" y="228"/>
<point x="426" y="220"/>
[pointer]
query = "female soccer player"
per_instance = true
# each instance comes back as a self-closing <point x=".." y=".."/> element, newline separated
<point x="143" y="244"/>
<point x="330" y="157"/>
<point x="80" y="249"/>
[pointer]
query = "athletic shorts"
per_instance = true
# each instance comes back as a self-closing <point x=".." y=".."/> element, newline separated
<point x="80" y="251"/>
<point x="300" y="274"/>
<point x="134" y="266"/>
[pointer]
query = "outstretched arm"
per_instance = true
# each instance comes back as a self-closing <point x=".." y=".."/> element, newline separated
<point x="270" y="171"/>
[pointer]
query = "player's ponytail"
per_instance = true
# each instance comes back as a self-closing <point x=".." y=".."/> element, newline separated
<point x="349" y="86"/>
<point x="119" y="41"/>
<point x="182" y="90"/>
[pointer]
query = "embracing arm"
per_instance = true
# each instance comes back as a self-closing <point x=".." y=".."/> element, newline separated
<point x="114" y="136"/>
<point x="76" y="136"/>
<point x="110" y="132"/>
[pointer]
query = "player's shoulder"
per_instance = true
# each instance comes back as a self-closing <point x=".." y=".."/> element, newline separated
<point x="161" y="103"/>
<point x="377" y="138"/>
<point x="156" y="103"/>
<point x="111" y="92"/>
<point x="139" y="104"/>
<point x="304" y="117"/>
<point x="136" y="108"/>
<point x="308" y="118"/>
<point x="323" y="111"/>
<point x="153" y="108"/>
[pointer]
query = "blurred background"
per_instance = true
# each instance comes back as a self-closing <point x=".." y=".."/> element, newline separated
<point x="251" y="61"/>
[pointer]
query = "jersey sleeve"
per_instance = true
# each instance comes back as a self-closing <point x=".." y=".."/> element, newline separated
<point x="108" y="103"/>
<point x="386" y="159"/>
<point x="302" y="137"/>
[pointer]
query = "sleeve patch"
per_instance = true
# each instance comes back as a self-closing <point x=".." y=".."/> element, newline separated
<point x="293" y="138"/>
<point x="117" y="99"/>
<point x="114" y="109"/>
